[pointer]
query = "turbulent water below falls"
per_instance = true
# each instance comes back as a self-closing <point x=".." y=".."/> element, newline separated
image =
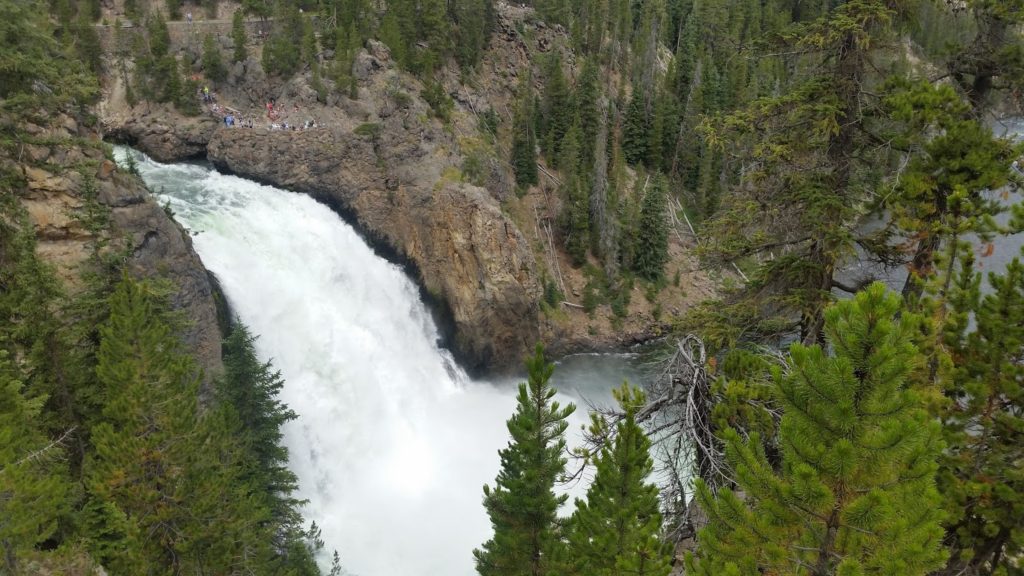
<point x="393" y="441"/>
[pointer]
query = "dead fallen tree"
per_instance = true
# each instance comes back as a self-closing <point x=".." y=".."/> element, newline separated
<point x="677" y="416"/>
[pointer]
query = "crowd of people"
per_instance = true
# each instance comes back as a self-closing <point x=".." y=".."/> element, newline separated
<point x="277" y="115"/>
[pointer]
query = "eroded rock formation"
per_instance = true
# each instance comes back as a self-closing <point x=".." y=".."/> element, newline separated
<point x="466" y="252"/>
<point x="65" y="171"/>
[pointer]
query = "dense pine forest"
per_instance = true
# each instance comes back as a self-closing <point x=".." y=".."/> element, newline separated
<point x="853" y="429"/>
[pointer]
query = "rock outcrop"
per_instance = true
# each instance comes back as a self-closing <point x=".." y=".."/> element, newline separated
<point x="164" y="134"/>
<point x="58" y="203"/>
<point x="466" y="252"/>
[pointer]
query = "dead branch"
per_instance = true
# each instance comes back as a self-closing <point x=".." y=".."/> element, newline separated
<point x="37" y="456"/>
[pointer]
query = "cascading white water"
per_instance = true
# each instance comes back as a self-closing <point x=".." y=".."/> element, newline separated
<point x="392" y="442"/>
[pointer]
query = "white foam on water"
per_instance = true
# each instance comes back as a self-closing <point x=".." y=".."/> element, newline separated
<point x="393" y="441"/>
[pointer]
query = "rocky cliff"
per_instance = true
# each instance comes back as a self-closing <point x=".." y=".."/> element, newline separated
<point x="437" y="193"/>
<point x="77" y="198"/>
<point x="162" y="133"/>
<point x="466" y="252"/>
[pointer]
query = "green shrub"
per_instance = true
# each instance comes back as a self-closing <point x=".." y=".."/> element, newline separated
<point x="368" y="130"/>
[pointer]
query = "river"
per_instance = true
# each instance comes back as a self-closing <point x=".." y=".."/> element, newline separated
<point x="989" y="256"/>
<point x="393" y="441"/>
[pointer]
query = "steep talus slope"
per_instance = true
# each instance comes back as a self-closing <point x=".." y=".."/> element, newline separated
<point x="68" y="177"/>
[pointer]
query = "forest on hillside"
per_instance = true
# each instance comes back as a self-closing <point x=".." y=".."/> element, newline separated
<point x="845" y="429"/>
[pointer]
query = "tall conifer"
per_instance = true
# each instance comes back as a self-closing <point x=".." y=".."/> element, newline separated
<point x="652" y="233"/>
<point x="32" y="486"/>
<point x="523" y="505"/>
<point x="213" y="65"/>
<point x="616" y="531"/>
<point x="238" y="37"/>
<point x="855" y="493"/>
<point x="524" y="142"/>
<point x="981" y="474"/>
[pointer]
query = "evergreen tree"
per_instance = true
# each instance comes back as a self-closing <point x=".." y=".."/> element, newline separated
<point x="261" y="8"/>
<point x="140" y="446"/>
<point x="344" y="57"/>
<point x="524" y="144"/>
<point x="282" y="52"/>
<point x="557" y="109"/>
<point x="167" y="71"/>
<point x="577" y="207"/>
<point x="252" y="416"/>
<point x="942" y="193"/>
<point x="635" y="138"/>
<point x="652" y="234"/>
<point x="32" y="486"/>
<point x="173" y="9"/>
<point x="251" y="389"/>
<point x="131" y="9"/>
<point x="990" y="59"/>
<point x="855" y="493"/>
<point x="213" y="66"/>
<point x="435" y="31"/>
<point x="473" y="30"/>
<point x="159" y="36"/>
<point x="163" y="482"/>
<point x="87" y="44"/>
<point x="310" y="46"/>
<point x="980" y="472"/>
<point x="522" y="505"/>
<point x="390" y="34"/>
<point x="589" y="110"/>
<point x="810" y="164"/>
<point x="616" y="531"/>
<point x="575" y="196"/>
<point x="238" y="37"/>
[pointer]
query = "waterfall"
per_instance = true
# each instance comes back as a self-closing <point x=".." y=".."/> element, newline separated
<point x="393" y="441"/>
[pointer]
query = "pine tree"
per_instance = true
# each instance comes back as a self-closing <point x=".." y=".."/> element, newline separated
<point x="251" y="389"/>
<point x="524" y="143"/>
<point x="589" y="110"/>
<point x="434" y="29"/>
<point x="855" y="493"/>
<point x="980" y="473"/>
<point x="942" y="193"/>
<point x="32" y="486"/>
<point x="173" y="9"/>
<point x="577" y="206"/>
<point x="150" y="409"/>
<point x="557" y="109"/>
<point x="131" y="9"/>
<point x="473" y="30"/>
<point x="87" y="44"/>
<point x="635" y="138"/>
<point x="390" y="34"/>
<point x="282" y="53"/>
<point x="652" y="234"/>
<point x="310" y="46"/>
<point x="522" y="505"/>
<point x="616" y="531"/>
<point x="168" y="72"/>
<point x="238" y="37"/>
<point x="252" y="415"/>
<point x="213" y="66"/>
<point x="810" y="165"/>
